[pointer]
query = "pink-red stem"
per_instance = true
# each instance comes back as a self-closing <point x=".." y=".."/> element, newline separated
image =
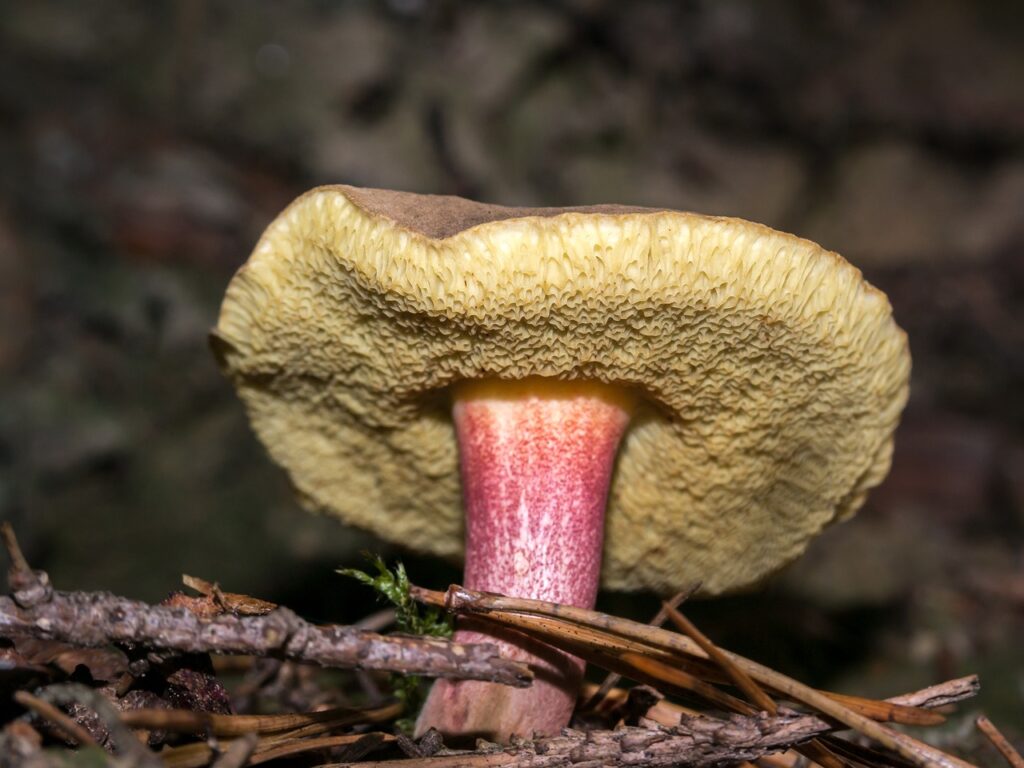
<point x="536" y="460"/>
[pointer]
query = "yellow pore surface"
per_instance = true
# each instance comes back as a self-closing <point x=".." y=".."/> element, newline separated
<point x="769" y="376"/>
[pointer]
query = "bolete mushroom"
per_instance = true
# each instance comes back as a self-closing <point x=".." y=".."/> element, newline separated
<point x="741" y="384"/>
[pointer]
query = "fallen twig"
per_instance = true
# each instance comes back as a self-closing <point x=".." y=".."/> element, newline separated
<point x="696" y="742"/>
<point x="18" y="562"/>
<point x="133" y="751"/>
<point x="357" y="745"/>
<point x="1000" y="742"/>
<point x="60" y="720"/>
<point x="208" y="723"/>
<point x="266" y="748"/>
<point x="98" y="618"/>
<point x="949" y="692"/>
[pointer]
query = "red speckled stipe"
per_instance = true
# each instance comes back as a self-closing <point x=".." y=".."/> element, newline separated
<point x="536" y="461"/>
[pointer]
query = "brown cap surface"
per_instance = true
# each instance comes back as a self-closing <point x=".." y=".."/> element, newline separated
<point x="771" y="374"/>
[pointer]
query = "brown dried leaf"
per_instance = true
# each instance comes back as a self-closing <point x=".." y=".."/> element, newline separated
<point x="243" y="605"/>
<point x="205" y="607"/>
<point x="104" y="664"/>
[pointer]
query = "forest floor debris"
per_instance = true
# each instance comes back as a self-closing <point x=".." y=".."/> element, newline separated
<point x="693" y="704"/>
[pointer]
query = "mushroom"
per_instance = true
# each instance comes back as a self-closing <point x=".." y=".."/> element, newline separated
<point x="742" y="385"/>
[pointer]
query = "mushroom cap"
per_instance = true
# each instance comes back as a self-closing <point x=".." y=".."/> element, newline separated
<point x="770" y="374"/>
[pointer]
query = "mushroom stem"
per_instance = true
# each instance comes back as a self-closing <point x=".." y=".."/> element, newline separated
<point x="536" y="458"/>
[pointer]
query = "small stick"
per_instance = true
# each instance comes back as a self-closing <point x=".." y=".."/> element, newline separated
<point x="697" y="742"/>
<point x="123" y="740"/>
<point x="95" y="619"/>
<point x="17" y="557"/>
<point x="1000" y="742"/>
<point x="949" y="692"/>
<point x="199" y="754"/>
<point x="887" y="711"/>
<point x="55" y="717"/>
<point x="188" y="721"/>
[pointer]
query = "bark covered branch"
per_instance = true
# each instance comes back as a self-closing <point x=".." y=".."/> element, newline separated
<point x="99" y="618"/>
<point x="695" y="742"/>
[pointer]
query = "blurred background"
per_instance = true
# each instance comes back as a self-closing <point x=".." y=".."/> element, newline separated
<point x="144" y="146"/>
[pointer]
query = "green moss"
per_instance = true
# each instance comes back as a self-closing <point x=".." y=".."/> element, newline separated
<point x="411" y="618"/>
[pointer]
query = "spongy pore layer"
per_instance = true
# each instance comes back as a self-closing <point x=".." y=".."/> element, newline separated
<point x="770" y="375"/>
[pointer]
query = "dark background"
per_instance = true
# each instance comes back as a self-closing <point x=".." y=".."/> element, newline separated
<point x="143" y="146"/>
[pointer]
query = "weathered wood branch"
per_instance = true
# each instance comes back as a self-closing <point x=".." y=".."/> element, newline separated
<point x="939" y="695"/>
<point x="695" y="742"/>
<point x="98" y="618"/>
